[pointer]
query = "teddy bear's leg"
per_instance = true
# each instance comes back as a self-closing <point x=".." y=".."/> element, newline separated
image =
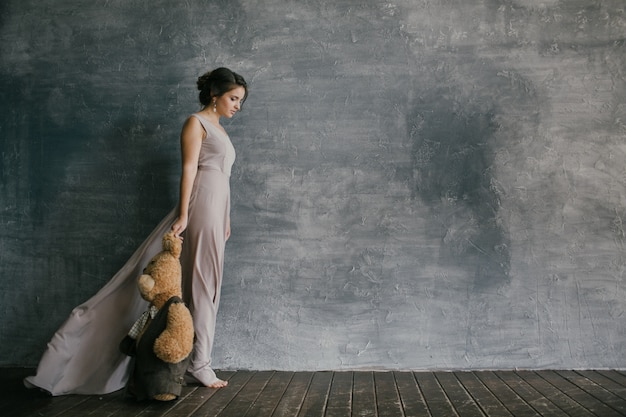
<point x="165" y="397"/>
<point x="176" y="342"/>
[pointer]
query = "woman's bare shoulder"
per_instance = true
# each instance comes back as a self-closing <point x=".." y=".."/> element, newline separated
<point x="193" y="127"/>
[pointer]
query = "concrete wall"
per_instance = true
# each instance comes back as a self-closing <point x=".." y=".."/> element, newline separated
<point x="419" y="184"/>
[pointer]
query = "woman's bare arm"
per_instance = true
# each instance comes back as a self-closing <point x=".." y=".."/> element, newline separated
<point x="190" y="142"/>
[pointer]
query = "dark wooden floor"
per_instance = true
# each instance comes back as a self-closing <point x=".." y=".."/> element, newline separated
<point x="393" y="394"/>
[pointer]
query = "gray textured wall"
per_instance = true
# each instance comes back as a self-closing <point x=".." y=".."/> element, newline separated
<point x="420" y="184"/>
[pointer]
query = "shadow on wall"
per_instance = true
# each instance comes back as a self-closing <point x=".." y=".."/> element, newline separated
<point x="111" y="191"/>
<point x="455" y="134"/>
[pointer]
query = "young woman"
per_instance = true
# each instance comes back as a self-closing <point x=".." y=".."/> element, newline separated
<point x="204" y="207"/>
<point x="83" y="356"/>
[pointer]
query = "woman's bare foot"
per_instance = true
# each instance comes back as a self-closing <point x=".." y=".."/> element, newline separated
<point x="218" y="384"/>
<point x="208" y="379"/>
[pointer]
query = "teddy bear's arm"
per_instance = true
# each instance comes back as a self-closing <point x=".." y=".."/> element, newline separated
<point x="176" y="341"/>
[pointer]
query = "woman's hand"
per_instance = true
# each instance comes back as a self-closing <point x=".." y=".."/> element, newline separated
<point x="228" y="230"/>
<point x="179" y="226"/>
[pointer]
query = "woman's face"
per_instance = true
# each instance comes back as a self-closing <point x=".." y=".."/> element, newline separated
<point x="230" y="102"/>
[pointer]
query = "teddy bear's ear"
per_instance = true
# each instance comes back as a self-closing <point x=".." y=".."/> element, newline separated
<point x="172" y="244"/>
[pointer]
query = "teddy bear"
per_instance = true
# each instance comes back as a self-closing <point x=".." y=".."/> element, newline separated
<point x="161" y="340"/>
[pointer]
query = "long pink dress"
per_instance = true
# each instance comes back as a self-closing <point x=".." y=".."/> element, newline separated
<point x="83" y="356"/>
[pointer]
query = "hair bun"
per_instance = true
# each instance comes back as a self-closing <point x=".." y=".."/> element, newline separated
<point x="203" y="80"/>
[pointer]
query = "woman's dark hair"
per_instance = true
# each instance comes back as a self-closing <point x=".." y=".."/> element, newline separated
<point x="218" y="82"/>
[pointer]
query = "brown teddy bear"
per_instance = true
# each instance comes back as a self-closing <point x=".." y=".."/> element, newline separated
<point x="161" y="340"/>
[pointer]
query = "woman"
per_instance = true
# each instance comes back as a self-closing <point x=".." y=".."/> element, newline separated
<point x="83" y="357"/>
<point x="204" y="209"/>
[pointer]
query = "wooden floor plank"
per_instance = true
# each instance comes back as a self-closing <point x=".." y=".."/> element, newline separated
<point x="556" y="396"/>
<point x="97" y="405"/>
<point x="595" y="398"/>
<point x="43" y="405"/>
<point x="511" y="400"/>
<point x="293" y="397"/>
<point x="193" y="395"/>
<point x="192" y="398"/>
<point x="339" y="402"/>
<point x="130" y="407"/>
<point x="352" y="394"/>
<point x="16" y="399"/>
<point x="540" y="403"/>
<point x="12" y="386"/>
<point x="607" y="383"/>
<point x="411" y="397"/>
<point x="490" y="405"/>
<point x="436" y="399"/>
<point x="219" y="399"/>
<point x="59" y="405"/>
<point x="462" y="402"/>
<point x="240" y="404"/>
<point x="111" y="408"/>
<point x="363" y="395"/>
<point x="616" y="376"/>
<point x="387" y="396"/>
<point x="314" y="405"/>
<point x="270" y="396"/>
<point x="601" y="393"/>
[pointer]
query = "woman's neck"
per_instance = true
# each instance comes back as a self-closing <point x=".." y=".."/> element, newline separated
<point x="212" y="116"/>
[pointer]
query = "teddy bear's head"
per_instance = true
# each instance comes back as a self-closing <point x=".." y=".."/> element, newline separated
<point x="161" y="279"/>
